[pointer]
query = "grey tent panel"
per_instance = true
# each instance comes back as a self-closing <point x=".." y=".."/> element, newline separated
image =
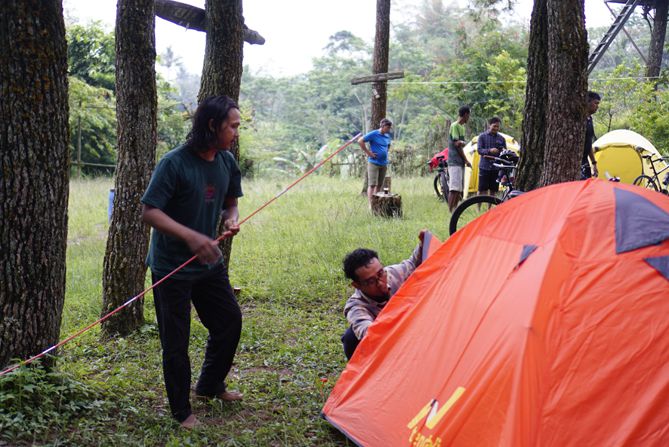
<point x="427" y="240"/>
<point x="639" y="222"/>
<point x="527" y="251"/>
<point x="661" y="264"/>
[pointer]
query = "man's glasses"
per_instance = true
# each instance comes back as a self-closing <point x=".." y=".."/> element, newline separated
<point x="378" y="276"/>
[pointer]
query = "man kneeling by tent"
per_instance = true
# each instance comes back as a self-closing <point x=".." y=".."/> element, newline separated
<point x="374" y="286"/>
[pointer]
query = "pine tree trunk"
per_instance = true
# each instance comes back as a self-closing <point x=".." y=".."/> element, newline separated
<point x="536" y="100"/>
<point x="127" y="243"/>
<point x="379" y="65"/>
<point x="34" y="175"/>
<point x="380" y="62"/>
<point x="568" y="82"/>
<point x="222" y="71"/>
<point x="656" y="47"/>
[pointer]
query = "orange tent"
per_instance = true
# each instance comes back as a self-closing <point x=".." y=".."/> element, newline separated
<point x="542" y="323"/>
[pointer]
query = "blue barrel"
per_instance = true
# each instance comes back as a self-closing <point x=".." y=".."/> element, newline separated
<point x="110" y="205"/>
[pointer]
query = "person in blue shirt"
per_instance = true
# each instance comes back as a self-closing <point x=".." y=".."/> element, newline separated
<point x="377" y="156"/>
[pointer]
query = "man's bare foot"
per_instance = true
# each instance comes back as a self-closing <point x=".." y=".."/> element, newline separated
<point x="190" y="422"/>
<point x="227" y="396"/>
<point x="230" y="396"/>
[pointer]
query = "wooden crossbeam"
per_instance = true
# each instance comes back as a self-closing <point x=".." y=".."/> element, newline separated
<point x="379" y="77"/>
<point x="192" y="17"/>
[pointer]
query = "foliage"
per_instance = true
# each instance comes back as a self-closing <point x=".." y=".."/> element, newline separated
<point x="651" y="117"/>
<point x="91" y="61"/>
<point x="93" y="123"/>
<point x="91" y="54"/>
<point x="34" y="401"/>
<point x="506" y="91"/>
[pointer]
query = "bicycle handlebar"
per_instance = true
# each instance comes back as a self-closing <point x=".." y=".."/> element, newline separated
<point x="504" y="163"/>
<point x="660" y="158"/>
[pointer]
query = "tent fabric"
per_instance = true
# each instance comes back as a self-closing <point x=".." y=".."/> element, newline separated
<point x="527" y="251"/>
<point x="618" y="155"/>
<point x="661" y="264"/>
<point x="639" y="222"/>
<point x="571" y="347"/>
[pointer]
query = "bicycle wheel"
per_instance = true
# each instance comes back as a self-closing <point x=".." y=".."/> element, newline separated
<point x="443" y="179"/>
<point x="441" y="185"/>
<point x="470" y="209"/>
<point x="645" y="182"/>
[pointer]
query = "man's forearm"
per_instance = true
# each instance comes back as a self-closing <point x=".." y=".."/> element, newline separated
<point x="363" y="146"/>
<point x="156" y="218"/>
<point x="462" y="155"/>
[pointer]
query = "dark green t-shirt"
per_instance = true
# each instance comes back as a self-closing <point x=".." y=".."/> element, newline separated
<point x="455" y="133"/>
<point x="191" y="191"/>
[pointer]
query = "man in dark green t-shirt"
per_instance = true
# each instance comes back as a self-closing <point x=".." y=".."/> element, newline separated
<point x="192" y="187"/>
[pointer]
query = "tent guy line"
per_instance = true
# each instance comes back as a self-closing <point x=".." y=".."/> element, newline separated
<point x="622" y="78"/>
<point x="225" y="235"/>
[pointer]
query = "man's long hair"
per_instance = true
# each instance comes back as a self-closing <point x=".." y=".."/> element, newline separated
<point x="215" y="108"/>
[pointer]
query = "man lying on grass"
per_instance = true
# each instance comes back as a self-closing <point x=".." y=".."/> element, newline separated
<point x="374" y="286"/>
<point x="191" y="188"/>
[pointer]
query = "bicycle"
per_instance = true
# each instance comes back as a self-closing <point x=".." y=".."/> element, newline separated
<point x="441" y="179"/>
<point x="653" y="182"/>
<point x="473" y="207"/>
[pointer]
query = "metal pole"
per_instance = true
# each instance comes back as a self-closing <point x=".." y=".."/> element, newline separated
<point x="79" y="146"/>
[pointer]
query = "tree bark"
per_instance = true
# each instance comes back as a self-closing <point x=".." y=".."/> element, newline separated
<point x="568" y="83"/>
<point x="34" y="175"/>
<point x="656" y="47"/>
<point x="379" y="65"/>
<point x="536" y="100"/>
<point x="380" y="62"/>
<point x="222" y="71"/>
<point x="124" y="268"/>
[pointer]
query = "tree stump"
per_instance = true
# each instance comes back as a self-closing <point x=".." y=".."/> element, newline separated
<point x="387" y="205"/>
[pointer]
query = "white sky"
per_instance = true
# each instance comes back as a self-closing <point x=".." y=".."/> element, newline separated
<point x="295" y="30"/>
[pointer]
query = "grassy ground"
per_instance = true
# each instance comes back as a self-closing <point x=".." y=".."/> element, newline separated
<point x="286" y="260"/>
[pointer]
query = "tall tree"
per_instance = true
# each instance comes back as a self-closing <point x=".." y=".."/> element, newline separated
<point x="554" y="124"/>
<point x="567" y="86"/>
<point x="34" y="175"/>
<point x="223" y="59"/>
<point x="657" y="38"/>
<point x="136" y="104"/>
<point x="380" y="62"/>
<point x="536" y="101"/>
<point x="379" y="65"/>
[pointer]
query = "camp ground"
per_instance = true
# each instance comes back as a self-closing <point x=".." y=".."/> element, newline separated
<point x="472" y="175"/>
<point x="540" y="324"/>
<point x="619" y="153"/>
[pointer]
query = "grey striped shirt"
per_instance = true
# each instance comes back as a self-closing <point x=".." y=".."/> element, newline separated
<point x="361" y="311"/>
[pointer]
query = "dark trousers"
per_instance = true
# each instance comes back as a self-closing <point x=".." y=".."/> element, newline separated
<point x="350" y="342"/>
<point x="219" y="312"/>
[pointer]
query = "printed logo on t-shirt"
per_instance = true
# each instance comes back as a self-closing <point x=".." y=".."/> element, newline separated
<point x="209" y="193"/>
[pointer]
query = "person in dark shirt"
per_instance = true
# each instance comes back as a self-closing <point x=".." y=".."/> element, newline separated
<point x="192" y="187"/>
<point x="489" y="143"/>
<point x="588" y="152"/>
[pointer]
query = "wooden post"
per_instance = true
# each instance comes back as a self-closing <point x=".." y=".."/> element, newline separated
<point x="79" y="144"/>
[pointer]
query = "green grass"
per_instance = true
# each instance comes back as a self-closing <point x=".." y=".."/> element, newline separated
<point x="287" y="261"/>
